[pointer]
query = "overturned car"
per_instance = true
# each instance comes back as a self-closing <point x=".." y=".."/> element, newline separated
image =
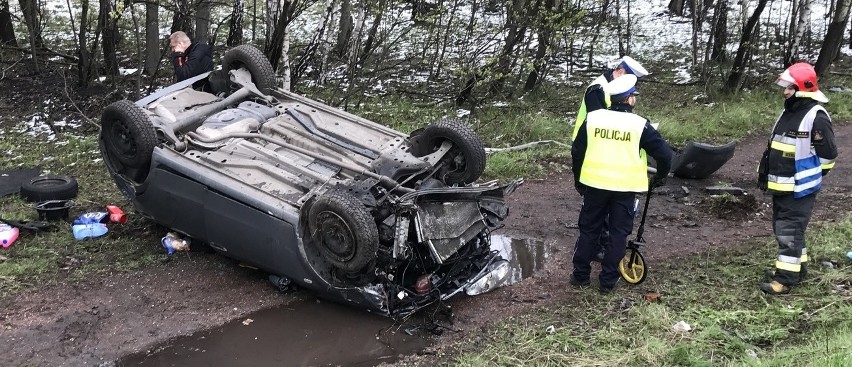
<point x="353" y="210"/>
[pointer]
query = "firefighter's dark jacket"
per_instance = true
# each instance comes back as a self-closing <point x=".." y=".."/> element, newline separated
<point x="651" y="141"/>
<point x="822" y="138"/>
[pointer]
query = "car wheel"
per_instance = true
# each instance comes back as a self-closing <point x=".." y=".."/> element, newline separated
<point x="127" y="134"/>
<point x="465" y="161"/>
<point x="255" y="62"/>
<point x="43" y="188"/>
<point x="343" y="230"/>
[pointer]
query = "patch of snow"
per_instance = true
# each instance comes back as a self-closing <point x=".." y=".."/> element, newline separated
<point x="462" y="112"/>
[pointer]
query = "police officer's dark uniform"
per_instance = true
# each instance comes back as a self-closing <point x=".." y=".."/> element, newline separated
<point x="800" y="151"/>
<point x="608" y="171"/>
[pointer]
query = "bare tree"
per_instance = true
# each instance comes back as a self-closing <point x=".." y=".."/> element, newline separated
<point x="108" y="24"/>
<point x="202" y="21"/>
<point x="235" y="25"/>
<point x="182" y="20"/>
<point x="833" y="37"/>
<point x="746" y="44"/>
<point x="7" y="32"/>
<point x="152" y="37"/>
<point x="276" y="45"/>
<point x="720" y="31"/>
<point x="799" y="22"/>
<point x="676" y="7"/>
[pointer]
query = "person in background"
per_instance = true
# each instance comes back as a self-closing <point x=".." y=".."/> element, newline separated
<point x="800" y="151"/>
<point x="608" y="172"/>
<point x="595" y="97"/>
<point x="189" y="59"/>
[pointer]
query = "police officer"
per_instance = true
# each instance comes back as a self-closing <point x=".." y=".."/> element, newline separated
<point x="189" y="59"/>
<point x="608" y="172"/>
<point x="595" y="97"/>
<point x="800" y="151"/>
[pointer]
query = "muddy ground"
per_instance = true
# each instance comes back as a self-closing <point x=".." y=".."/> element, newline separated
<point x="103" y="318"/>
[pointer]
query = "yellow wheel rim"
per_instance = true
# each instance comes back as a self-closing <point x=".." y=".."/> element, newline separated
<point x="632" y="267"/>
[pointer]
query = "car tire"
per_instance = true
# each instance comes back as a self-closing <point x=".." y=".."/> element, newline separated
<point x="255" y="62"/>
<point x="343" y="230"/>
<point x="127" y="134"/>
<point x="43" y="188"/>
<point x="465" y="161"/>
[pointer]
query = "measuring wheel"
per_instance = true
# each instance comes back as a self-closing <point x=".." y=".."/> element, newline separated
<point x="632" y="266"/>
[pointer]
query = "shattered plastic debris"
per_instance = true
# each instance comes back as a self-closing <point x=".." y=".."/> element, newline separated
<point x="681" y="326"/>
<point x="247" y="321"/>
<point x="550" y="329"/>
<point x="172" y="242"/>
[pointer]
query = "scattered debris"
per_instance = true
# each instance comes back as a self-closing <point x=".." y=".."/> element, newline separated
<point x="8" y="235"/>
<point x="247" y="322"/>
<point x="550" y="329"/>
<point x="652" y="297"/>
<point x="172" y="242"/>
<point x="731" y="207"/>
<point x="827" y="264"/>
<point x="90" y="230"/>
<point x="681" y="326"/>
<point x="733" y="190"/>
<point x="751" y="354"/>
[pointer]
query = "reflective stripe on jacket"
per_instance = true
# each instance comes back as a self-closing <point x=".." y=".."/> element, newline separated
<point x="581" y="114"/>
<point x="795" y="166"/>
<point x="612" y="160"/>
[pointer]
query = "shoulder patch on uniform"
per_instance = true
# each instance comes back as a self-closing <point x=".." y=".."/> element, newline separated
<point x="818" y="135"/>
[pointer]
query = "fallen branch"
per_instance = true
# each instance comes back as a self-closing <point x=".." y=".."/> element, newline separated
<point x="525" y="146"/>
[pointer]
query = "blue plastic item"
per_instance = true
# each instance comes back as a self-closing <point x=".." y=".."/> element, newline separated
<point x="90" y="230"/>
<point x="93" y="217"/>
<point x="849" y="255"/>
<point x="172" y="242"/>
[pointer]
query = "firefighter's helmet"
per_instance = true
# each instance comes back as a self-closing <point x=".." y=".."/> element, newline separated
<point x="803" y="77"/>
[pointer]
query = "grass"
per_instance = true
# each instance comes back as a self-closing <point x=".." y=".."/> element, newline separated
<point x="49" y="257"/>
<point x="733" y="323"/>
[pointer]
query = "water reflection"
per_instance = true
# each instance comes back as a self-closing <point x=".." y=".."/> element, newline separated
<point x="525" y="256"/>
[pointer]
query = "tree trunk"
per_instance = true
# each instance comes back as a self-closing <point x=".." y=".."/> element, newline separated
<point x="235" y="32"/>
<point x="515" y="30"/>
<point x="182" y="20"/>
<point x="676" y="7"/>
<point x="746" y="44"/>
<point x="371" y="43"/>
<point x="720" y="31"/>
<point x="83" y="64"/>
<point x="202" y="21"/>
<point x="797" y="31"/>
<point x="833" y="37"/>
<point x="152" y="37"/>
<point x="276" y="44"/>
<point x="344" y="28"/>
<point x="33" y="21"/>
<point x="108" y="20"/>
<point x="7" y="32"/>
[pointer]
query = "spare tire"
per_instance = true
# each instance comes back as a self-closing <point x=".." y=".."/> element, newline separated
<point x="44" y="188"/>
<point x="465" y="161"/>
<point x="343" y="230"/>
<point x="127" y="134"/>
<point x="245" y="56"/>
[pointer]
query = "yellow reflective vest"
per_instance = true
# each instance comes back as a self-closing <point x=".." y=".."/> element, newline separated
<point x="612" y="161"/>
<point x="581" y="114"/>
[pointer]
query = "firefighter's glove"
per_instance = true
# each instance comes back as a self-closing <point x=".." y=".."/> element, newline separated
<point x="581" y="189"/>
<point x="658" y="181"/>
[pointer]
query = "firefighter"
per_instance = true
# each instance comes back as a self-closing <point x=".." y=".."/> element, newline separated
<point x="800" y="151"/>
<point x="608" y="172"/>
<point x="595" y="98"/>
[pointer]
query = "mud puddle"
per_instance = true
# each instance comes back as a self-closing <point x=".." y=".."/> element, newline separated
<point x="318" y="333"/>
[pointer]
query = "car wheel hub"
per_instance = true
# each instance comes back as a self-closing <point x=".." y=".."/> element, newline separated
<point x="338" y="239"/>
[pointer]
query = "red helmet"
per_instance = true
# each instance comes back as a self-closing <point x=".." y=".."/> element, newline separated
<point x="803" y="76"/>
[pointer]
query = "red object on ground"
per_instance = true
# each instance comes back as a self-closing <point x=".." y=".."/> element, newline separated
<point x="116" y="215"/>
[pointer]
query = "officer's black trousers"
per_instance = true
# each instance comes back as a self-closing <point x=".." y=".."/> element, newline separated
<point x="597" y="204"/>
<point x="790" y="217"/>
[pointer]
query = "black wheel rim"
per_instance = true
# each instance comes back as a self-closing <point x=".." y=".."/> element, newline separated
<point x="120" y="139"/>
<point x="336" y="237"/>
